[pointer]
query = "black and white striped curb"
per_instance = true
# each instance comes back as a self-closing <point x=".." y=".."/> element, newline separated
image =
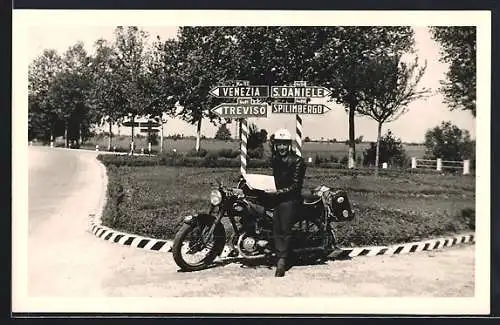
<point x="162" y="245"/>
<point x="131" y="240"/>
<point x="406" y="248"/>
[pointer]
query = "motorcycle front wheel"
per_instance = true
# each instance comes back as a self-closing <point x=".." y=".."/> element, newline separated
<point x="196" y="245"/>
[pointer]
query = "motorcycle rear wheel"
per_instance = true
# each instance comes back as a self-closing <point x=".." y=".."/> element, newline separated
<point x="213" y="246"/>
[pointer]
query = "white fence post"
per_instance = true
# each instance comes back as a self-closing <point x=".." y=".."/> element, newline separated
<point x="413" y="162"/>
<point x="439" y="164"/>
<point x="149" y="147"/>
<point x="466" y="167"/>
<point x="97" y="147"/>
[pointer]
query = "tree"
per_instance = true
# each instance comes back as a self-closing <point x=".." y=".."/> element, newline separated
<point x="448" y="142"/>
<point x="130" y="57"/>
<point x="223" y="133"/>
<point x="392" y="85"/>
<point x="42" y="117"/>
<point x="339" y="63"/>
<point x="202" y="57"/>
<point x="69" y="93"/>
<point x="458" y="49"/>
<point x="106" y="96"/>
<point x="256" y="137"/>
<point x="389" y="149"/>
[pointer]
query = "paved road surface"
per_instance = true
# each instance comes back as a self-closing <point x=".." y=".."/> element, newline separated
<point x="66" y="260"/>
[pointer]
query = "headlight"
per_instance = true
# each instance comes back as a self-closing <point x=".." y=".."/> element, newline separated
<point x="215" y="197"/>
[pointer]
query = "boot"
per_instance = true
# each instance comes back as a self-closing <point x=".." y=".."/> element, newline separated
<point x="280" y="268"/>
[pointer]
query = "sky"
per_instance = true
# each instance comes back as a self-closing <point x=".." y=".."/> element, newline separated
<point x="410" y="127"/>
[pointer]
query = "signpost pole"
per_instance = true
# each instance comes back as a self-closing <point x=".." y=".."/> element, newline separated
<point x="298" y="119"/>
<point x="244" y="139"/>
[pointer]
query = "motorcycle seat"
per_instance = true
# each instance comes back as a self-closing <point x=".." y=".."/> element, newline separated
<point x="310" y="199"/>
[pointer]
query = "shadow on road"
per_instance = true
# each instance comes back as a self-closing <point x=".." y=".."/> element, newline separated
<point x="269" y="263"/>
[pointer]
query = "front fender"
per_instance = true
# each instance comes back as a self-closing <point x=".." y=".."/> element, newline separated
<point x="198" y="218"/>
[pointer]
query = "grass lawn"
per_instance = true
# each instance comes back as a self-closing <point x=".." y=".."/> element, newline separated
<point x="151" y="201"/>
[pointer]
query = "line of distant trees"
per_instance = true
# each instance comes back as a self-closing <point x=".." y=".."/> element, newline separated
<point x="127" y="78"/>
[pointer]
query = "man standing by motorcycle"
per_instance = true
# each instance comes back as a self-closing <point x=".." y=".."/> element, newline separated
<point x="288" y="171"/>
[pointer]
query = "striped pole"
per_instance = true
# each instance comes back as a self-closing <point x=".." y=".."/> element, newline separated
<point x="298" y="136"/>
<point x="244" y="137"/>
<point x="298" y="128"/>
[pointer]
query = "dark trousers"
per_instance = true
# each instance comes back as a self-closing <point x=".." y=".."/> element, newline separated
<point x="285" y="214"/>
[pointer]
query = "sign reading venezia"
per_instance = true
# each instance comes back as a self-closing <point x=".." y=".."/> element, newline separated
<point x="241" y="91"/>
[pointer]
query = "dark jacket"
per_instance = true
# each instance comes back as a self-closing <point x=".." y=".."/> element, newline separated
<point x="289" y="176"/>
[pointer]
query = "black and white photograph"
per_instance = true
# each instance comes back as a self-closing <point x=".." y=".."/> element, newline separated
<point x="275" y="162"/>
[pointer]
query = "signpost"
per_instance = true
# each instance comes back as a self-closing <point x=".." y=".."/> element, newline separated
<point x="243" y="108"/>
<point x="246" y="106"/>
<point x="151" y="126"/>
<point x="301" y="93"/>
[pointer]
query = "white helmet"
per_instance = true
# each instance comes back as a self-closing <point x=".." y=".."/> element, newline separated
<point x="282" y="135"/>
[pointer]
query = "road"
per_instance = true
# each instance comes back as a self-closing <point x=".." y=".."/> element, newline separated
<point x="66" y="260"/>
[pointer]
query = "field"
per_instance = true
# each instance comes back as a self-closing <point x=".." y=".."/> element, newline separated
<point x="390" y="209"/>
<point x="310" y="149"/>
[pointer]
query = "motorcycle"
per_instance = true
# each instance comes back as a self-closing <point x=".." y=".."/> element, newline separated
<point x="249" y="210"/>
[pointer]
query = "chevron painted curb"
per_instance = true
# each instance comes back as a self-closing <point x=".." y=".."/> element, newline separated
<point x="162" y="245"/>
<point x="131" y="240"/>
<point x="406" y="248"/>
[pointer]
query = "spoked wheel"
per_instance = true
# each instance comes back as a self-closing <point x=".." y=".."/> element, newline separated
<point x="197" y="245"/>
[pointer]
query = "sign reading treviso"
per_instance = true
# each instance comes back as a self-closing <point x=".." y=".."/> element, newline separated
<point x="243" y="109"/>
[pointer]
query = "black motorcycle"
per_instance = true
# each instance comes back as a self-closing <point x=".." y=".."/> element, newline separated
<point x="249" y="212"/>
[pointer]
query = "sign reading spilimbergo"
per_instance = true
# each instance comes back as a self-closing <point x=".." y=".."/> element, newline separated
<point x="299" y="108"/>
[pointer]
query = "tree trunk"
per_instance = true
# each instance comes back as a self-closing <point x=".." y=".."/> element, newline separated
<point x="198" y="135"/>
<point x="161" y="138"/>
<point x="110" y="136"/>
<point x="352" y="144"/>
<point x="66" y="142"/>
<point x="132" y="145"/>
<point x="377" y="152"/>
<point x="80" y="134"/>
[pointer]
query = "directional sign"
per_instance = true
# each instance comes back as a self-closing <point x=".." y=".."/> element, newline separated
<point x="294" y="91"/>
<point x="150" y="130"/>
<point x="150" y="123"/>
<point x="129" y="123"/>
<point x="241" y="91"/>
<point x="295" y="108"/>
<point x="241" y="110"/>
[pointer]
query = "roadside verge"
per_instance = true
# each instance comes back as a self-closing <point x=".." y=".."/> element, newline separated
<point x="162" y="245"/>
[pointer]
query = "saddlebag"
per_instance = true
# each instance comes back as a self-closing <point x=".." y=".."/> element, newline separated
<point x="338" y="206"/>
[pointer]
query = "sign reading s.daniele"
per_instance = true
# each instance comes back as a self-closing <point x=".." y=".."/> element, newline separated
<point x="299" y="92"/>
